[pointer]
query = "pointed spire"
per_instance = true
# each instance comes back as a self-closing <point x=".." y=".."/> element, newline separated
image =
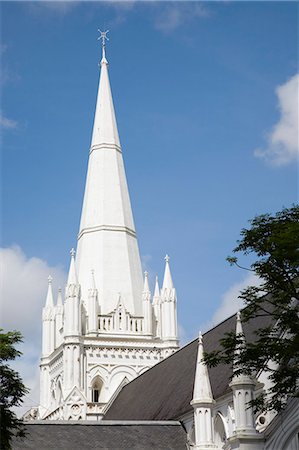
<point x="240" y="345"/>
<point x="239" y="335"/>
<point x="72" y="277"/>
<point x="59" y="297"/>
<point x="202" y="388"/>
<point x="167" y="281"/>
<point x="157" y="289"/>
<point x="107" y="226"/>
<point x="239" y="328"/>
<point x="92" y="284"/>
<point x="49" y="299"/>
<point x="92" y="280"/>
<point x="146" y="288"/>
<point x="105" y="127"/>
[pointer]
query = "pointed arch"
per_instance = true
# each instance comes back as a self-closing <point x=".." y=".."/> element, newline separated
<point x="220" y="432"/>
<point x="96" y="389"/>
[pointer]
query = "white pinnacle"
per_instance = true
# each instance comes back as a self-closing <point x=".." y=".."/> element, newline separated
<point x="146" y="285"/>
<point x="157" y="289"/>
<point x="92" y="280"/>
<point x="49" y="299"/>
<point x="72" y="277"/>
<point x="59" y="298"/>
<point x="167" y="281"/>
<point x="239" y="334"/>
<point x="202" y="388"/>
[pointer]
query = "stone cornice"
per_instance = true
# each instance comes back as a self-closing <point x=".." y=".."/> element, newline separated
<point x="106" y="147"/>
<point x="107" y="228"/>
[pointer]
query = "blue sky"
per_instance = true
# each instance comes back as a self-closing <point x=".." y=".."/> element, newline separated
<point x="198" y="88"/>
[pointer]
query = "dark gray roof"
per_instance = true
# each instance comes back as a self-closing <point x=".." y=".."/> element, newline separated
<point x="102" y="435"/>
<point x="164" y="392"/>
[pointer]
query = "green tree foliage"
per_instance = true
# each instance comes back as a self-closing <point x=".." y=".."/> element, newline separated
<point x="12" y="389"/>
<point x="273" y="241"/>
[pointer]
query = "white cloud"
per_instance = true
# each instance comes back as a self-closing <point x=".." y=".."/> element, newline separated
<point x="283" y="141"/>
<point x="230" y="303"/>
<point x="23" y="289"/>
<point x="173" y="15"/>
<point x="7" y="124"/>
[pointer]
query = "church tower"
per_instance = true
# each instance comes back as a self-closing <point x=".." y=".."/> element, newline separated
<point x="109" y="329"/>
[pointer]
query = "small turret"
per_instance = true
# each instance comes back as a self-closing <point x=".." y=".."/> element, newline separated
<point x="202" y="403"/>
<point x="243" y="387"/>
<point x="147" y="307"/>
<point x="168" y="307"/>
<point x="48" y="322"/>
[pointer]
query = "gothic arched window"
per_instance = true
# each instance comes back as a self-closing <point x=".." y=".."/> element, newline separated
<point x="96" y="388"/>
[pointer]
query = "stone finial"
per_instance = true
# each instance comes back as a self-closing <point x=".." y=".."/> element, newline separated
<point x="49" y="299"/>
<point x="146" y="288"/>
<point x="167" y="281"/>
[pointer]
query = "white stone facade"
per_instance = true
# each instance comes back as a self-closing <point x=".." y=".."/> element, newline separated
<point x="108" y="330"/>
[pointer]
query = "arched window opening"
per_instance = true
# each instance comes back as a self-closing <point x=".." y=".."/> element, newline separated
<point x="220" y="433"/>
<point x="96" y="390"/>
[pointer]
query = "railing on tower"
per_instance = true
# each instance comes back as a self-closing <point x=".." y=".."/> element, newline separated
<point x="120" y="322"/>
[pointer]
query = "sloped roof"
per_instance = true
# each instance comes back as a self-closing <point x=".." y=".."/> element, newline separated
<point x="164" y="392"/>
<point x="48" y="435"/>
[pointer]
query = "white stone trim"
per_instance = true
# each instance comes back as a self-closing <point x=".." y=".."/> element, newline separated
<point x="105" y="146"/>
<point x="107" y="228"/>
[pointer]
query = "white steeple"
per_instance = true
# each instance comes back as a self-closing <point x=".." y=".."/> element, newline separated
<point x="105" y="331"/>
<point x="202" y="403"/>
<point x="107" y="238"/>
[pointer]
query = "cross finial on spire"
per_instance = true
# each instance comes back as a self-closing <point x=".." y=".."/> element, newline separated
<point x="103" y="37"/>
<point x="73" y="252"/>
<point x="50" y="279"/>
<point x="167" y="258"/>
